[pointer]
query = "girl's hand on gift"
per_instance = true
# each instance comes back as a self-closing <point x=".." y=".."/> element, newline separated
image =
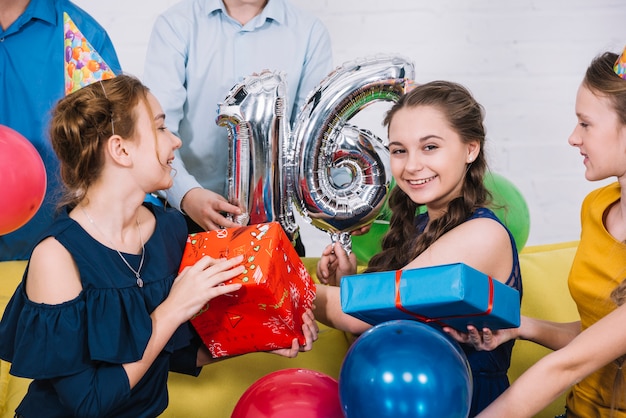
<point x="335" y="263"/>
<point x="198" y="284"/>
<point x="310" y="330"/>
<point x="485" y="340"/>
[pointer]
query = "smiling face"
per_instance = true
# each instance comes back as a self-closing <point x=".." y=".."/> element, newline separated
<point x="428" y="158"/>
<point x="599" y="135"/>
<point x="155" y="146"/>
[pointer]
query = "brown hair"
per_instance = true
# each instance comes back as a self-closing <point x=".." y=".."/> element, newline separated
<point x="601" y="79"/>
<point x="402" y="244"/>
<point x="83" y="121"/>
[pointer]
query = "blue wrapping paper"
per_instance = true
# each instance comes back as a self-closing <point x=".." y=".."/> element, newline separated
<point x="455" y="295"/>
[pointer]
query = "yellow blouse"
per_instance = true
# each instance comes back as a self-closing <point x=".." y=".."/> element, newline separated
<point x="598" y="267"/>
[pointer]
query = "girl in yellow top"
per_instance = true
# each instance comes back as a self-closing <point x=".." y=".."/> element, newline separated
<point x="590" y="351"/>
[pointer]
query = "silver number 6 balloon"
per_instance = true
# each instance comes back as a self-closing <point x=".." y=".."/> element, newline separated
<point x="335" y="173"/>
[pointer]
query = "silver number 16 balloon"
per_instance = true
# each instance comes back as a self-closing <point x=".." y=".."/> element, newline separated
<point x="335" y="173"/>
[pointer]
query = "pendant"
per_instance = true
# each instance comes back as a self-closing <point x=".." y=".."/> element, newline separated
<point x="139" y="282"/>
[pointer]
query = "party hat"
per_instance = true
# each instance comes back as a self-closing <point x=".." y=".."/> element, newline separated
<point x="83" y="64"/>
<point x="620" y="65"/>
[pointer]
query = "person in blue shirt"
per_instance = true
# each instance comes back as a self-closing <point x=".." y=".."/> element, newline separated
<point x="198" y="50"/>
<point x="31" y="76"/>
<point x="102" y="313"/>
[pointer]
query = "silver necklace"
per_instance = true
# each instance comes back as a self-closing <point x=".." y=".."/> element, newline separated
<point x="143" y="250"/>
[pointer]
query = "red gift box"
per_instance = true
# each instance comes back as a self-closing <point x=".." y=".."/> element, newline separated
<point x="266" y="313"/>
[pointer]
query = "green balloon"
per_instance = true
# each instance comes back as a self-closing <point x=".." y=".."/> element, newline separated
<point x="510" y="207"/>
<point x="508" y="204"/>
<point x="367" y="245"/>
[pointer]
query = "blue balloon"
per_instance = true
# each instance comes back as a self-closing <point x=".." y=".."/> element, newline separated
<point x="405" y="369"/>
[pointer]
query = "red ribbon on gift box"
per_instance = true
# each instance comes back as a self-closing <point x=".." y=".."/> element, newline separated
<point x="440" y="320"/>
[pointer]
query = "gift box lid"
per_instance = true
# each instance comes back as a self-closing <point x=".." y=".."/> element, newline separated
<point x="453" y="294"/>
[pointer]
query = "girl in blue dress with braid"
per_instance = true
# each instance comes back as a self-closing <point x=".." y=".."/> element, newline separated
<point x="436" y="145"/>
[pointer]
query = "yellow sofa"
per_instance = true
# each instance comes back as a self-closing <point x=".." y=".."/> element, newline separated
<point x="218" y="388"/>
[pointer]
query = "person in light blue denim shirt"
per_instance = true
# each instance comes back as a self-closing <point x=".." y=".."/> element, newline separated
<point x="198" y="50"/>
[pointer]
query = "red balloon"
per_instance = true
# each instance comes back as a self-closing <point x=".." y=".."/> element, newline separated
<point x="291" y="393"/>
<point x="22" y="180"/>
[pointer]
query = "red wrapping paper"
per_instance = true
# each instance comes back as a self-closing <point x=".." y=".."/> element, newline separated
<point x="266" y="313"/>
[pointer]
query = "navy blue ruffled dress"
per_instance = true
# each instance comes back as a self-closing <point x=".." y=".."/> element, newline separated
<point x="489" y="368"/>
<point x="74" y="350"/>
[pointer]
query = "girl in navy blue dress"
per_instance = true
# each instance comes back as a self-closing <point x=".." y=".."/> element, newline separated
<point x="101" y="315"/>
<point x="436" y="146"/>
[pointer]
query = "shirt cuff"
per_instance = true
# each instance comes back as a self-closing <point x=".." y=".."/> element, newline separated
<point x="183" y="182"/>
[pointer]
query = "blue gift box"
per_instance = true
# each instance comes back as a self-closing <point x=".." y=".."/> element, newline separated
<point x="453" y="294"/>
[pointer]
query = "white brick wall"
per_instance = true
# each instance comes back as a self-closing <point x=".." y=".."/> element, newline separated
<point x="523" y="60"/>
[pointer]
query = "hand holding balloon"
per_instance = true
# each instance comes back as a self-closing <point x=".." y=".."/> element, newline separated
<point x="335" y="263"/>
<point x="206" y="208"/>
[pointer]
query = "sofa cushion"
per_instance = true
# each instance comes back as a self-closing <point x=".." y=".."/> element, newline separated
<point x="545" y="269"/>
<point x="11" y="390"/>
<point x="216" y="391"/>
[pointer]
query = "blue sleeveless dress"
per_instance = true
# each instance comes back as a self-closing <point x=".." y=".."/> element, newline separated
<point x="489" y="368"/>
<point x="74" y="350"/>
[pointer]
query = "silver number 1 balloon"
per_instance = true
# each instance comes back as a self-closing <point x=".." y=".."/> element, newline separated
<point x="254" y="114"/>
